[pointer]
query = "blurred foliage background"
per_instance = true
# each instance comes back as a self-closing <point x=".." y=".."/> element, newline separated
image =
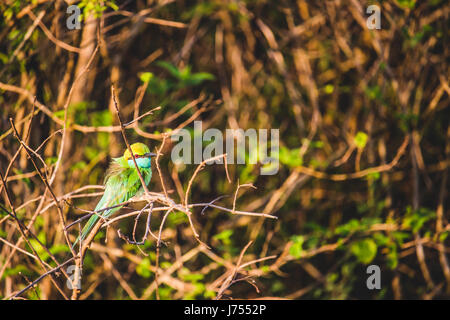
<point x="364" y="144"/>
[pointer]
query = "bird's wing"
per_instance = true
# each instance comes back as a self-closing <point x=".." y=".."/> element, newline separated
<point x="115" y="193"/>
<point x="118" y="189"/>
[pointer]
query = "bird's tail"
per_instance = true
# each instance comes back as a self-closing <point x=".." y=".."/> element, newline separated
<point x="88" y="227"/>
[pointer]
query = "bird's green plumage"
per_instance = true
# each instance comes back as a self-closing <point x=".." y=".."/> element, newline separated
<point x="122" y="182"/>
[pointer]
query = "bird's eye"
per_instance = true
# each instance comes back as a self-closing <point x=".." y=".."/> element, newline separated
<point x="136" y="156"/>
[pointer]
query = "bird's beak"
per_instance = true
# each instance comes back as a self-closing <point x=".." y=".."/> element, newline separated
<point x="150" y="154"/>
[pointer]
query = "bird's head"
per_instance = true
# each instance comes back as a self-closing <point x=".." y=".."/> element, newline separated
<point x="141" y="153"/>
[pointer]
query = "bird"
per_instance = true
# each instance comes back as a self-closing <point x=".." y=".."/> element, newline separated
<point x="122" y="182"/>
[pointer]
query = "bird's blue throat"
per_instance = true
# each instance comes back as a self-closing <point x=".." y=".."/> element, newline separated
<point x="143" y="162"/>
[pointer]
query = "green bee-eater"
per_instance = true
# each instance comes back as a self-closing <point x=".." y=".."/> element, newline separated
<point x="122" y="182"/>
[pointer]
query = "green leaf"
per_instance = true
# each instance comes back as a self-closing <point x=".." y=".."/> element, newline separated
<point x="165" y="293"/>
<point x="146" y="77"/>
<point x="59" y="114"/>
<point x="415" y="219"/>
<point x="392" y="257"/>
<point x="291" y="157"/>
<point x="373" y="93"/>
<point x="79" y="165"/>
<point x="176" y="218"/>
<point x="198" y="78"/>
<point x="381" y="239"/>
<point x="143" y="269"/>
<point x="112" y="5"/>
<point x="209" y="294"/>
<point x="351" y="226"/>
<point x="90" y="152"/>
<point x="443" y="236"/>
<point x="360" y="140"/>
<point x="328" y="89"/>
<point x="265" y="269"/>
<point x="51" y="160"/>
<point x="373" y="176"/>
<point x="199" y="288"/>
<point x="59" y="248"/>
<point x="224" y="236"/>
<point x="101" y="118"/>
<point x="193" y="277"/>
<point x="16" y="270"/>
<point x="410" y="4"/>
<point x="364" y="250"/>
<point x="296" y="250"/>
<point x="170" y="67"/>
<point x="400" y="236"/>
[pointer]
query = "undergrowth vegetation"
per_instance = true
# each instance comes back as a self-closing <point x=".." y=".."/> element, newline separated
<point x="363" y="119"/>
